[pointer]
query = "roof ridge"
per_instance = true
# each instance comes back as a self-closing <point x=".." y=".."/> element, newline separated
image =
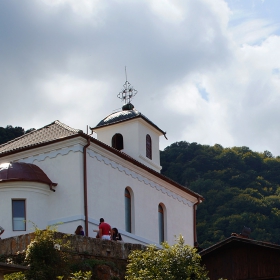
<point x="50" y="132"/>
<point x="63" y="125"/>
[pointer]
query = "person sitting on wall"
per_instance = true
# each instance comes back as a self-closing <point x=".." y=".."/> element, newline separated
<point x="79" y="231"/>
<point x="1" y="231"/>
<point x="116" y="236"/>
<point x="105" y="231"/>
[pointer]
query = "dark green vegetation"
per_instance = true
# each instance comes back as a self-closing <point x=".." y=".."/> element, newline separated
<point x="175" y="262"/>
<point x="9" y="133"/>
<point x="240" y="187"/>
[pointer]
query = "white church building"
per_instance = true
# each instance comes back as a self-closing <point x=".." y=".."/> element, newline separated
<point x="61" y="175"/>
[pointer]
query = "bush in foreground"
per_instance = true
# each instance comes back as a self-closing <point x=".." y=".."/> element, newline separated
<point x="178" y="261"/>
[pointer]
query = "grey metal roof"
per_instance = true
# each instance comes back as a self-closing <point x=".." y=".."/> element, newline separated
<point x="122" y="116"/>
<point x="55" y="130"/>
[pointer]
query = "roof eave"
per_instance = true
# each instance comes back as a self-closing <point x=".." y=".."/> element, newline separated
<point x="121" y="121"/>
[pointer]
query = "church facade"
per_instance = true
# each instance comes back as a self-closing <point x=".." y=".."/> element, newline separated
<point x="60" y="175"/>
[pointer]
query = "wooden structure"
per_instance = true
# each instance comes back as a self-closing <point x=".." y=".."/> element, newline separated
<point x="237" y="258"/>
<point x="10" y="268"/>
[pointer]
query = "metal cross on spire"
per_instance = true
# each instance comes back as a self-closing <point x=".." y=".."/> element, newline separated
<point x="128" y="91"/>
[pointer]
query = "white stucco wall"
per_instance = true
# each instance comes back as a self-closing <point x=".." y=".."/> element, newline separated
<point x="108" y="176"/>
<point x="63" y="165"/>
<point x="36" y="197"/>
<point x="134" y="138"/>
<point x="148" y="192"/>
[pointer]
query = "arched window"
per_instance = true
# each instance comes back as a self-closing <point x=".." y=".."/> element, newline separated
<point x="161" y="223"/>
<point x="127" y="198"/>
<point x="117" y="141"/>
<point x="148" y="146"/>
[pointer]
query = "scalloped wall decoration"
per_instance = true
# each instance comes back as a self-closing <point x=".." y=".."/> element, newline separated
<point x="127" y="171"/>
<point x="139" y="177"/>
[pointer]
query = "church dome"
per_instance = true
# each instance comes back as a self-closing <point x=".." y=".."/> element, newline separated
<point x="128" y="113"/>
<point x="119" y="117"/>
<point x="20" y="171"/>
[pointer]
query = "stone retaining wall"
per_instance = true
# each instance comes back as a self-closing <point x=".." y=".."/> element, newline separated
<point x="81" y="248"/>
<point x="78" y="244"/>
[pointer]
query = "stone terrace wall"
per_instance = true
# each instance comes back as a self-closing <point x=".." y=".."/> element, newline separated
<point x="79" y="244"/>
<point x="82" y="248"/>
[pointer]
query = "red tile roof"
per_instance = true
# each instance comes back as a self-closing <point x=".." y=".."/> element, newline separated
<point x="54" y="131"/>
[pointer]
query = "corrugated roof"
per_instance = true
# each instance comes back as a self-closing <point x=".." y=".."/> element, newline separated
<point x="51" y="132"/>
<point x="122" y="116"/>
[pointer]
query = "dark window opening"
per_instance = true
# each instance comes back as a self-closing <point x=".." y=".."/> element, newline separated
<point x="127" y="198"/>
<point x="160" y="223"/>
<point x="148" y="146"/>
<point x="117" y="141"/>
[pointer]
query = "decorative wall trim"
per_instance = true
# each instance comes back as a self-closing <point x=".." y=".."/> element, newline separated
<point x="119" y="167"/>
<point x="53" y="154"/>
<point x="139" y="177"/>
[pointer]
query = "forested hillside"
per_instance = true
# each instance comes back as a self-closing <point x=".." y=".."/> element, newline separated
<point x="240" y="187"/>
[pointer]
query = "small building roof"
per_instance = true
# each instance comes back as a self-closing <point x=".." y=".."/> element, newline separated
<point x="21" y="171"/>
<point x="233" y="240"/>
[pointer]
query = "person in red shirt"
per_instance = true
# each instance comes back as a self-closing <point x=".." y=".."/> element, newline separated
<point x="104" y="230"/>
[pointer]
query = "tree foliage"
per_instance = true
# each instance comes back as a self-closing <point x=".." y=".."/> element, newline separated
<point x="240" y="187"/>
<point x="178" y="261"/>
<point x="43" y="256"/>
<point x="9" y="133"/>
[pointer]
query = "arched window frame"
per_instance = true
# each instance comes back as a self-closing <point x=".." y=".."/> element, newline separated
<point x="148" y="146"/>
<point x="128" y="210"/>
<point x="161" y="223"/>
<point x="117" y="141"/>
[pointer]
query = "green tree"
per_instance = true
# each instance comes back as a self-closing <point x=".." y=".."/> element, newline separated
<point x="44" y="257"/>
<point x="178" y="261"/>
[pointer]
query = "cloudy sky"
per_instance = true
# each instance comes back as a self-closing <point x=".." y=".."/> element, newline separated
<point x="206" y="71"/>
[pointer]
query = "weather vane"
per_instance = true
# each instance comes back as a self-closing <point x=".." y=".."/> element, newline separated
<point x="128" y="91"/>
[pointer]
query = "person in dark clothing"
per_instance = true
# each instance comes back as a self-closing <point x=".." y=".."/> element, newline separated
<point x="116" y="236"/>
<point x="79" y="231"/>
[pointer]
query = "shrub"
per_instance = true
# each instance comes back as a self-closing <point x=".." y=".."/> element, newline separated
<point x="176" y="262"/>
<point x="43" y="256"/>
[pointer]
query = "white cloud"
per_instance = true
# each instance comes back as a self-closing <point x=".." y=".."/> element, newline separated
<point x="210" y="68"/>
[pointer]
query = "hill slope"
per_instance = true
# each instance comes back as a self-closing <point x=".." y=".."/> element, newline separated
<point x="240" y="187"/>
